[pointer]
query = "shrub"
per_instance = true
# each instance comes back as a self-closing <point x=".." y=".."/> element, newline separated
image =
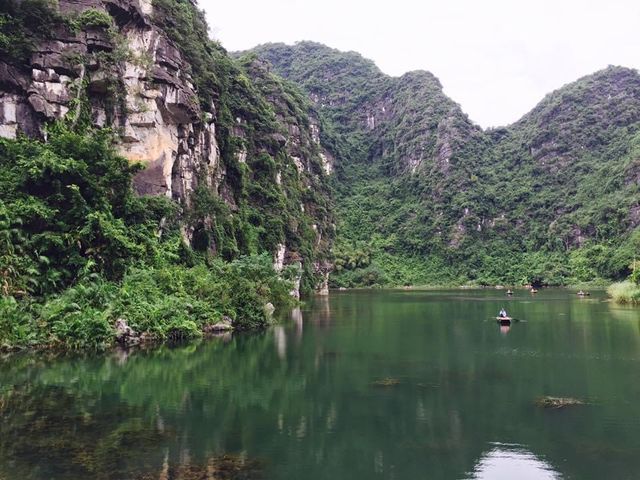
<point x="626" y="292"/>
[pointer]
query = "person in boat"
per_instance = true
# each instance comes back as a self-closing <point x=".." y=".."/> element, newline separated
<point x="580" y="292"/>
<point x="509" y="292"/>
<point x="503" y="313"/>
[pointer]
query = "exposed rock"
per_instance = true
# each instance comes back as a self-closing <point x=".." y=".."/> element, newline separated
<point x="221" y="327"/>
<point x="147" y="337"/>
<point x="268" y="310"/>
<point x="146" y="93"/>
<point x="125" y="335"/>
<point x="557" y="402"/>
<point x="278" y="260"/>
<point x="323" y="269"/>
<point x="295" y="291"/>
<point x="156" y="108"/>
<point x="386" y="382"/>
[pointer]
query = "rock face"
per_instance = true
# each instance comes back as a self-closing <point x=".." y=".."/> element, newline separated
<point x="125" y="335"/>
<point x="134" y="79"/>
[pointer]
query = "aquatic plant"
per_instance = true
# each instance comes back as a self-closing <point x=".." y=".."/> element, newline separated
<point x="626" y="292"/>
<point x="386" y="382"/>
<point x="557" y="402"/>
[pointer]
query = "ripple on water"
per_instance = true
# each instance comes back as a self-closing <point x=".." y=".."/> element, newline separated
<point x="508" y="461"/>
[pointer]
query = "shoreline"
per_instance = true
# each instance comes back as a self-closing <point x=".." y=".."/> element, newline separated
<point x="135" y="341"/>
<point x="593" y="287"/>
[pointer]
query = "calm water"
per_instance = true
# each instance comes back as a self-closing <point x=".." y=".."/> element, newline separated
<point x="307" y="399"/>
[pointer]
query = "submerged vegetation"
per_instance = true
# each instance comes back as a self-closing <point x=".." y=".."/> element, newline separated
<point x="49" y="431"/>
<point x="557" y="402"/>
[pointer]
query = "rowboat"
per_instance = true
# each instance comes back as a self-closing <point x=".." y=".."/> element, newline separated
<point x="504" y="320"/>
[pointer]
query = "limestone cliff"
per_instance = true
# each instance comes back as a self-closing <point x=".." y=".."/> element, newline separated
<point x="244" y="141"/>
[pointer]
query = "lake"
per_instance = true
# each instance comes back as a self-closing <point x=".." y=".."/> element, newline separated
<point x="390" y="384"/>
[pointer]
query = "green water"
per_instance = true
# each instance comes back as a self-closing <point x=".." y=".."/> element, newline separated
<point x="300" y="401"/>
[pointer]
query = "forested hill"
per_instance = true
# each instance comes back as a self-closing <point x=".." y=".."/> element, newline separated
<point x="426" y="196"/>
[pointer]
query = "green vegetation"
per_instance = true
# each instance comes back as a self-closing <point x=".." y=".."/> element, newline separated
<point x="93" y="18"/>
<point x="212" y="70"/>
<point x="79" y="250"/>
<point x="266" y="201"/>
<point x="166" y="303"/>
<point x="424" y="196"/>
<point x="24" y="23"/>
<point x="626" y="292"/>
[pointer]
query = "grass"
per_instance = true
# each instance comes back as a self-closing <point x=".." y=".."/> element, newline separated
<point x="625" y="292"/>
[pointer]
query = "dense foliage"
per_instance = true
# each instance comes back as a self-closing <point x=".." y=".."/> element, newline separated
<point x="426" y="197"/>
<point x="23" y="23"/>
<point x="79" y="251"/>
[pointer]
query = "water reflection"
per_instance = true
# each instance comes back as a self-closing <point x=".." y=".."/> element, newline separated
<point x="321" y="312"/>
<point x="371" y="385"/>
<point x="508" y="462"/>
<point x="504" y="329"/>
<point x="47" y="432"/>
<point x="296" y="317"/>
<point x="281" y="341"/>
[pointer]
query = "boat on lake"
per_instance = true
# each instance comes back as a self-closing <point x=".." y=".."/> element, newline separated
<point x="504" y="320"/>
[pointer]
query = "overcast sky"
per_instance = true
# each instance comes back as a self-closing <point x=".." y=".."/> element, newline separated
<point x="497" y="58"/>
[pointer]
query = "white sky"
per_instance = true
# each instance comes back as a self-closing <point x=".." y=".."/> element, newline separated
<point x="497" y="58"/>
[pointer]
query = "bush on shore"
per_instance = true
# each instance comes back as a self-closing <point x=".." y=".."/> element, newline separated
<point x="171" y="302"/>
<point x="626" y="292"/>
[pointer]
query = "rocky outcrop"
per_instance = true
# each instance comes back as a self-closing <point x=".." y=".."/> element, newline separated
<point x="322" y="270"/>
<point x="135" y="80"/>
<point x="223" y="326"/>
<point x="125" y="335"/>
